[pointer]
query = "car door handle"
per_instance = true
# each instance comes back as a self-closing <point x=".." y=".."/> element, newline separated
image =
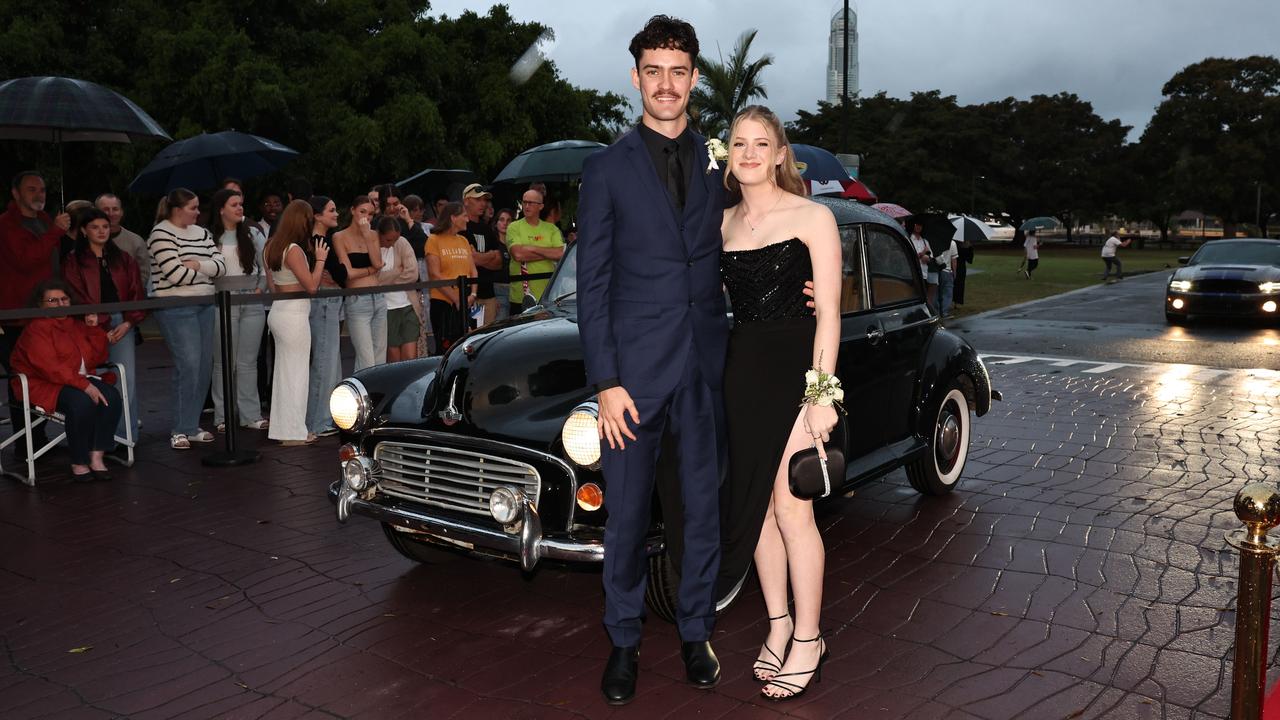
<point x="874" y="335"/>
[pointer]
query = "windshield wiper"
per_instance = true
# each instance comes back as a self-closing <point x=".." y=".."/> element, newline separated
<point x="565" y="296"/>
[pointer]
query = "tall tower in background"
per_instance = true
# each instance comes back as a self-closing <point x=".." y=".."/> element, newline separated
<point x="835" y="55"/>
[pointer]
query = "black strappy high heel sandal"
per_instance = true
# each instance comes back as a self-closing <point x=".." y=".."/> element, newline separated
<point x="795" y="689"/>
<point x="768" y="665"/>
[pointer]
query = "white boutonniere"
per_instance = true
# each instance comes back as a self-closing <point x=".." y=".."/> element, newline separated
<point x="716" y="151"/>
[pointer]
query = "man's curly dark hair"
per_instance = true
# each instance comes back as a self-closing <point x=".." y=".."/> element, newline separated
<point x="664" y="32"/>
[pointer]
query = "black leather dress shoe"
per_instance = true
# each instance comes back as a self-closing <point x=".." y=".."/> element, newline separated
<point x="619" y="681"/>
<point x="701" y="665"/>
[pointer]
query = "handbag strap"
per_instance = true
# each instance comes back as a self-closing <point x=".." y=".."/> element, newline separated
<point x="826" y="476"/>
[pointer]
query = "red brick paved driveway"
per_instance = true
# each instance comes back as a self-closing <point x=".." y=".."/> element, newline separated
<point x="1079" y="571"/>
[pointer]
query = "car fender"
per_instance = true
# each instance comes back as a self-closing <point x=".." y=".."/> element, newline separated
<point x="400" y="392"/>
<point x="947" y="358"/>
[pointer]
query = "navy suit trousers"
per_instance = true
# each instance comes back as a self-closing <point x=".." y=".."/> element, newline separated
<point x="689" y="412"/>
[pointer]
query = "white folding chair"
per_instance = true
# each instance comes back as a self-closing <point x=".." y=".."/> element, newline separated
<point x="33" y="416"/>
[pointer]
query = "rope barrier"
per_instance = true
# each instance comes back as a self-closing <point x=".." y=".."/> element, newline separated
<point x="239" y="297"/>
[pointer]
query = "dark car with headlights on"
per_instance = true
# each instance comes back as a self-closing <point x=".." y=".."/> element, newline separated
<point x="1237" y="278"/>
<point x="493" y="449"/>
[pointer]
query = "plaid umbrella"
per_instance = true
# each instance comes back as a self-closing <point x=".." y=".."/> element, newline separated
<point x="204" y="160"/>
<point x="58" y="110"/>
<point x="560" y="161"/>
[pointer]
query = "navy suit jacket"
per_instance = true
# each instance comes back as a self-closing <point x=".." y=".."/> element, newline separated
<point x="649" y="288"/>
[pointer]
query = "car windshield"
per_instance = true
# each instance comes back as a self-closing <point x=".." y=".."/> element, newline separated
<point x="565" y="283"/>
<point x="1238" y="253"/>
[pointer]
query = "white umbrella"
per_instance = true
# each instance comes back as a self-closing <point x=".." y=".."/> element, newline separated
<point x="970" y="229"/>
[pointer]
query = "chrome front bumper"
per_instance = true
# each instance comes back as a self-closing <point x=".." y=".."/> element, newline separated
<point x="527" y="544"/>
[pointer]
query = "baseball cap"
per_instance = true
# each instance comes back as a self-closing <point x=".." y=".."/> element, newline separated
<point x="475" y="190"/>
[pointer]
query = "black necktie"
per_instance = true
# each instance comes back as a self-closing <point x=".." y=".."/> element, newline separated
<point x="675" y="173"/>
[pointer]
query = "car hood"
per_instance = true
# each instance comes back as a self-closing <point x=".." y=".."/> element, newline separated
<point x="516" y="380"/>
<point x="1222" y="271"/>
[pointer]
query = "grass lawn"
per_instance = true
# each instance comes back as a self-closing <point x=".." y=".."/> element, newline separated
<point x="1061" y="269"/>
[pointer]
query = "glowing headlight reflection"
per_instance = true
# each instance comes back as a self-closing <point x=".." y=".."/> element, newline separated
<point x="1269" y="287"/>
<point x="1180" y="285"/>
<point x="349" y="405"/>
<point x="1175" y="383"/>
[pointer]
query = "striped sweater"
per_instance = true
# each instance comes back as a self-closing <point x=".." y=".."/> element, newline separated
<point x="170" y="245"/>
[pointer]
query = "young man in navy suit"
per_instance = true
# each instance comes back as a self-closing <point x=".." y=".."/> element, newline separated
<point x="652" y="319"/>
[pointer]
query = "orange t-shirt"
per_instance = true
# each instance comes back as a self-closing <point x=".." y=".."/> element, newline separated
<point x="455" y="259"/>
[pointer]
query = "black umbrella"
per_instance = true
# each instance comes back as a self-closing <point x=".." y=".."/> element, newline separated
<point x="204" y="160"/>
<point x="937" y="230"/>
<point x="435" y="179"/>
<point x="58" y="110"/>
<point x="559" y="161"/>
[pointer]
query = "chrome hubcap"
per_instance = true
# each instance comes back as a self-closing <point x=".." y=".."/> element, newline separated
<point x="948" y="438"/>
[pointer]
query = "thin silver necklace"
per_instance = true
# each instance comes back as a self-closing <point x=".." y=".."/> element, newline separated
<point x="747" y="219"/>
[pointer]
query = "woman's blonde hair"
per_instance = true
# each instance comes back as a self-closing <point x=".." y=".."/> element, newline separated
<point x="786" y="175"/>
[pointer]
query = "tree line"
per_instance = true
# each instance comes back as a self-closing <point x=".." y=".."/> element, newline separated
<point x="366" y="90"/>
<point x="1212" y="145"/>
<point x="372" y="90"/>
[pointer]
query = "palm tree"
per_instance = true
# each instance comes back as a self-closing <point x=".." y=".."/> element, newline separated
<point x="724" y="88"/>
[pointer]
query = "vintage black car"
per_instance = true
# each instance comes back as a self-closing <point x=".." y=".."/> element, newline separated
<point x="493" y="448"/>
<point x="1226" y="278"/>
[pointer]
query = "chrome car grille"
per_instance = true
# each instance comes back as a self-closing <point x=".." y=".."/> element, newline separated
<point x="450" y="478"/>
<point x="1218" y="285"/>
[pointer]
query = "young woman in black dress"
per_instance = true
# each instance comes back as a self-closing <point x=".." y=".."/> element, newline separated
<point x="774" y="240"/>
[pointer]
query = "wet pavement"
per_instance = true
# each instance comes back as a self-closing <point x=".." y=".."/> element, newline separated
<point x="1125" y="322"/>
<point x="1078" y="571"/>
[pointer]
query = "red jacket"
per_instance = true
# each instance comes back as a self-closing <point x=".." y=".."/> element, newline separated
<point x="80" y="270"/>
<point x="27" y="258"/>
<point x="49" y="353"/>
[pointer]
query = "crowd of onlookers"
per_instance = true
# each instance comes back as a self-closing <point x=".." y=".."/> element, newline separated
<point x="296" y="241"/>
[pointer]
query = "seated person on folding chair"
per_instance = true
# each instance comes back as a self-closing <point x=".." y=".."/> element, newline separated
<point x="57" y="354"/>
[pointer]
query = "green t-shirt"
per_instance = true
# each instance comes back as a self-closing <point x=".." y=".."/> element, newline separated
<point x="521" y="233"/>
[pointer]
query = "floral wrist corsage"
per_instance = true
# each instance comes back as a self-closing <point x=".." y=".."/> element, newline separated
<point x="822" y="388"/>
<point x="716" y="152"/>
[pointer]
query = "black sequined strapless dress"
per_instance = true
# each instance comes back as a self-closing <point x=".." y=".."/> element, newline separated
<point x="770" y="348"/>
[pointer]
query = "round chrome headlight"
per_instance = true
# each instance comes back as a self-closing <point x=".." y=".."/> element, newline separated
<point x="349" y="405"/>
<point x="504" y="505"/>
<point x="581" y="436"/>
<point x="356" y="473"/>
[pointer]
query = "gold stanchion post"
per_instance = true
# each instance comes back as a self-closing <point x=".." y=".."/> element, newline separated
<point x="1258" y="507"/>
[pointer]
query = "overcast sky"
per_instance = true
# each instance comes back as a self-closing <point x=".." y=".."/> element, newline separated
<point x="1114" y="53"/>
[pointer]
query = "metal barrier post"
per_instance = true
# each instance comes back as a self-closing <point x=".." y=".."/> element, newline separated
<point x="232" y="456"/>
<point x="464" y="289"/>
<point x="1258" y="507"/>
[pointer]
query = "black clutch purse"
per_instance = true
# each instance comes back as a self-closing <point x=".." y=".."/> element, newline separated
<point x="809" y="476"/>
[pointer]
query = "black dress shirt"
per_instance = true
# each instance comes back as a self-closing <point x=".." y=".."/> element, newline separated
<point x="657" y="144"/>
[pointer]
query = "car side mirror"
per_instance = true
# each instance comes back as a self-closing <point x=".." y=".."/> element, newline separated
<point x="1184" y="259"/>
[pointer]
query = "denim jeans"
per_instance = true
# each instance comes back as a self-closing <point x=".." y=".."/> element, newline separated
<point x="247" y="322"/>
<point x="367" y="328"/>
<point x="326" y="365"/>
<point x="946" y="286"/>
<point x="124" y="352"/>
<point x="188" y="331"/>
<point x="1112" y="262"/>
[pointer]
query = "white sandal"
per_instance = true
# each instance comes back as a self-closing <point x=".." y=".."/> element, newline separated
<point x="257" y="425"/>
<point x="179" y="442"/>
<point x="202" y="436"/>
